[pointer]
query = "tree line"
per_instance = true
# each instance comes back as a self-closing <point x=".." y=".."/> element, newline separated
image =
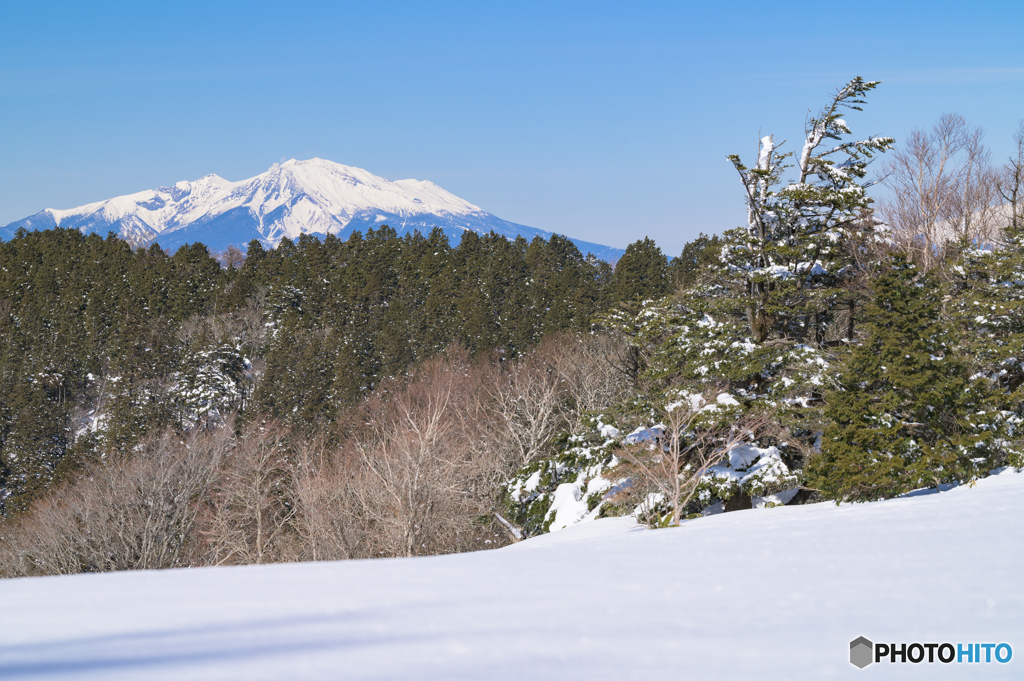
<point x="102" y="344"/>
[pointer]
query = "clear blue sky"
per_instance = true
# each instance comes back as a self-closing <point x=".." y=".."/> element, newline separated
<point x="603" y="121"/>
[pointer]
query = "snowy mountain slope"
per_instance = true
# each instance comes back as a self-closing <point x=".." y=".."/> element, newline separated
<point x="298" y="197"/>
<point x="759" y="594"/>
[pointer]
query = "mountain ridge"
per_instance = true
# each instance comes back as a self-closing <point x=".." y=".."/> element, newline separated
<point x="315" y="196"/>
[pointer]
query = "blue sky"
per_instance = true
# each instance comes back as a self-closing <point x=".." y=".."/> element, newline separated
<point x="604" y="121"/>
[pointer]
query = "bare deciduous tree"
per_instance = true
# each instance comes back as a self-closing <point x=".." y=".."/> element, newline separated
<point x="1010" y="183"/>
<point x="528" y="405"/>
<point x="418" y="465"/>
<point x="250" y="506"/>
<point x="409" y="464"/>
<point x="327" y="521"/>
<point x="591" y="382"/>
<point x="418" y="470"/>
<point x="943" y="191"/>
<point x="124" y="513"/>
<point x="231" y="258"/>
<point x="550" y="390"/>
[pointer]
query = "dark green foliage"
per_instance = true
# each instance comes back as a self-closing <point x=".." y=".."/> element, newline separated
<point x="37" y="435"/>
<point x="906" y="415"/>
<point x="641" y="273"/>
<point x="526" y="499"/>
<point x="986" y="306"/>
<point x="145" y="339"/>
<point x="697" y="262"/>
<point x="196" y="281"/>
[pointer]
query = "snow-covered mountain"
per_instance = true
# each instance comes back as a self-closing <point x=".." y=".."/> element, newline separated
<point x="297" y="197"/>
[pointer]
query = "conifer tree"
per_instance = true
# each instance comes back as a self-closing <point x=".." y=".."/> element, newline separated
<point x="906" y="415"/>
<point x="196" y="276"/>
<point x="986" y="305"/>
<point x="100" y="343"/>
<point x="515" y="313"/>
<point x="785" y="268"/>
<point x="37" y="440"/>
<point x="642" y="272"/>
<point x="697" y="262"/>
<point x="439" y="285"/>
<point x="760" y="321"/>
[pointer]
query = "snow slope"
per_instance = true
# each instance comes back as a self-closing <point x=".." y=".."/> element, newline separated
<point x="766" y="594"/>
<point x="297" y="197"/>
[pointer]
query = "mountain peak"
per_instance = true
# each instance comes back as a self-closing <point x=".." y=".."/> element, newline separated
<point x="314" y="196"/>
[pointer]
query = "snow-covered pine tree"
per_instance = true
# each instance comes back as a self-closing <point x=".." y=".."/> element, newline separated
<point x="907" y="415"/>
<point x="760" y="326"/>
<point x="986" y="307"/>
<point x="211" y="383"/>
<point x="756" y="325"/>
<point x="785" y="268"/>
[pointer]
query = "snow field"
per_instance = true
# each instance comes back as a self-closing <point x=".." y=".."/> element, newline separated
<point x="769" y="593"/>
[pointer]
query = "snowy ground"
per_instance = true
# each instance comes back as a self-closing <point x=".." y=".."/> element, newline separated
<point x="768" y="594"/>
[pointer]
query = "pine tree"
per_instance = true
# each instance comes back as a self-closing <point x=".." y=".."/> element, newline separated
<point x="784" y="270"/>
<point x="196" y="275"/>
<point x="515" y="313"/>
<point x="986" y="304"/>
<point x="471" y="306"/>
<point x="642" y="272"/>
<point x="906" y="415"/>
<point x="759" y="322"/>
<point x="697" y="262"/>
<point x="39" y="435"/>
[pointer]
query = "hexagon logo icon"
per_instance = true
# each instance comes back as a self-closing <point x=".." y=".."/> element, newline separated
<point x="861" y="652"/>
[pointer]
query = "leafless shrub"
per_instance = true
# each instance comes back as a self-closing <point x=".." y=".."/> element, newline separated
<point x="327" y="523"/>
<point x="124" y="513"/>
<point x="549" y="390"/>
<point x="675" y="462"/>
<point x="414" y="472"/>
<point x="416" y="459"/>
<point x="417" y="470"/>
<point x="528" y="407"/>
<point x="591" y="382"/>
